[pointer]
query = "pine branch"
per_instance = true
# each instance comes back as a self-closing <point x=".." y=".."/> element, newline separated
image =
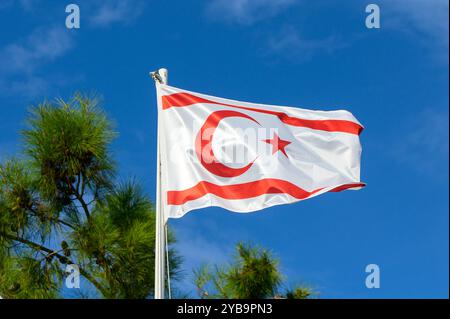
<point x="60" y="221"/>
<point x="79" y="198"/>
<point x="84" y="205"/>
<point x="39" y="247"/>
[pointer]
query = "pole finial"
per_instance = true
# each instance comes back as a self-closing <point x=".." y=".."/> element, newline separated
<point x="160" y="75"/>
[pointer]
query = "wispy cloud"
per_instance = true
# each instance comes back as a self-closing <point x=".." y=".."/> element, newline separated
<point x="287" y="42"/>
<point x="98" y="13"/>
<point x="6" y="4"/>
<point x="425" y="147"/>
<point x="25" y="4"/>
<point x="109" y="12"/>
<point x="198" y="247"/>
<point x="246" y="12"/>
<point x="426" y="21"/>
<point x="290" y="44"/>
<point x="20" y="61"/>
<point x="41" y="46"/>
<point x="28" y="4"/>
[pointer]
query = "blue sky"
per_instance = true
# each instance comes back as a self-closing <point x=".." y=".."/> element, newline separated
<point x="310" y="54"/>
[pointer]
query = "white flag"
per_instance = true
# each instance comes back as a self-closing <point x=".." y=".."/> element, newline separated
<point x="245" y="156"/>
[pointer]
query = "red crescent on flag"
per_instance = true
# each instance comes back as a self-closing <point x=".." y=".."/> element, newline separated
<point x="203" y="145"/>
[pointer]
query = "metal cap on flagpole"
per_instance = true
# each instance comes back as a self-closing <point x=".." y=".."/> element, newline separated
<point x="161" y="75"/>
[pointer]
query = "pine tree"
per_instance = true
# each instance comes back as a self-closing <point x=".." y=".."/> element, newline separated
<point x="60" y="204"/>
<point x="253" y="274"/>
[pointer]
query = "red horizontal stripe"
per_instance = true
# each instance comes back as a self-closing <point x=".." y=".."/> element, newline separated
<point x="347" y="186"/>
<point x="187" y="99"/>
<point x="245" y="190"/>
<point x="182" y="99"/>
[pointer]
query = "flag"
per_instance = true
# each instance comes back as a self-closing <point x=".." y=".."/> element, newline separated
<point x="245" y="157"/>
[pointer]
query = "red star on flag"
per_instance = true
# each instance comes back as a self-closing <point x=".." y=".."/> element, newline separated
<point x="277" y="144"/>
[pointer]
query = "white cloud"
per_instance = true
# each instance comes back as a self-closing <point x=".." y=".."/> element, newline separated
<point x="246" y="12"/>
<point x="425" y="145"/>
<point x="109" y="12"/>
<point x="289" y="44"/>
<point x="197" y="249"/>
<point x="41" y="46"/>
<point x="5" y="4"/>
<point x="28" y="4"/>
<point x="99" y="13"/>
<point x="427" y="21"/>
<point x="20" y="61"/>
<point x="25" y="4"/>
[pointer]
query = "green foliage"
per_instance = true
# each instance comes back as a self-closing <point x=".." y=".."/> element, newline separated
<point x="299" y="293"/>
<point x="28" y="277"/>
<point x="253" y="274"/>
<point x="59" y="204"/>
<point x="16" y="195"/>
<point x="119" y="243"/>
<point x="68" y="145"/>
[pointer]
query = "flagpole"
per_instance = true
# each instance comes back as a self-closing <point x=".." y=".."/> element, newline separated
<point x="160" y="77"/>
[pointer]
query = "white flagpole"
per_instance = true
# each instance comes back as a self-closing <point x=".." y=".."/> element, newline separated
<point x="160" y="77"/>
